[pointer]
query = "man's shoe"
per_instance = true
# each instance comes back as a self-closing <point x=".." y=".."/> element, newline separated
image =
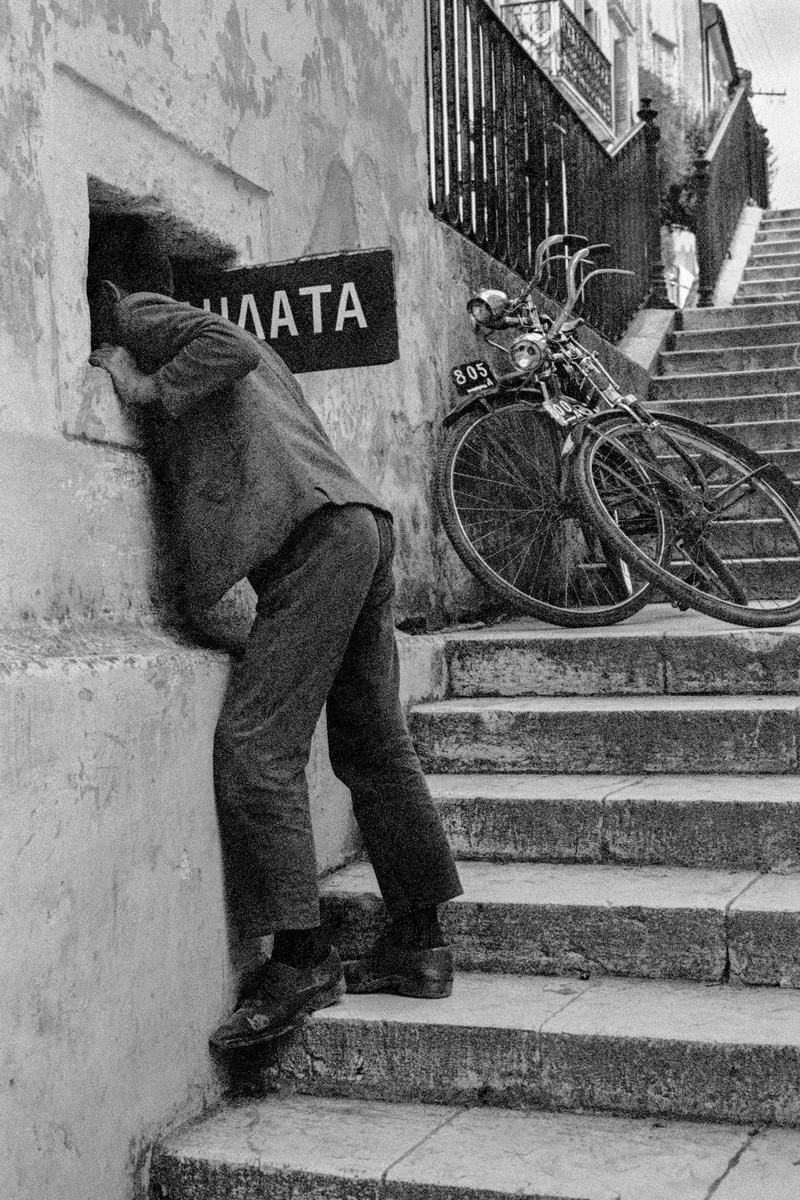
<point x="274" y="999"/>
<point x="426" y="973"/>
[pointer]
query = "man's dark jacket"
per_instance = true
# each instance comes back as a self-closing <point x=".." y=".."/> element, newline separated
<point x="245" y="456"/>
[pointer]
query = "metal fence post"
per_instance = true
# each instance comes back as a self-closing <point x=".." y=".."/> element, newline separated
<point x="658" y="297"/>
<point x="706" y="277"/>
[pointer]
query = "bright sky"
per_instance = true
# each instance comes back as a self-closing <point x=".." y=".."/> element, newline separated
<point x="765" y="35"/>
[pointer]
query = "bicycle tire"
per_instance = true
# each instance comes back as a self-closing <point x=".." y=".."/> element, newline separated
<point x="507" y="458"/>
<point x="708" y="523"/>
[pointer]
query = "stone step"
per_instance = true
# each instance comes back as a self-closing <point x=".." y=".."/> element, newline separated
<point x="775" y="285"/>
<point x="762" y="539"/>
<point x="664" y="1048"/>
<point x="765" y="255"/>
<point x="780" y="225"/>
<point x="321" y="1148"/>
<point x="723" y="318"/>
<point x="763" y="296"/>
<point x="660" y="651"/>
<point x="755" y="271"/>
<point x="554" y="919"/>
<point x="719" y="822"/>
<point x="753" y="735"/>
<point x="763" y="435"/>
<point x="730" y="383"/>
<point x="737" y="335"/>
<point x="730" y="358"/>
<point x="767" y="579"/>
<point x="778" y="233"/>
<point x="780" y="219"/>
<point x="768" y="247"/>
<point x="730" y="410"/>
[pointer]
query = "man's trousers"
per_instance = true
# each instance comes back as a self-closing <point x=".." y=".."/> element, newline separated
<point x="323" y="633"/>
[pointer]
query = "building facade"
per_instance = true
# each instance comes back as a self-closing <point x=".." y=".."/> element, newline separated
<point x="589" y="50"/>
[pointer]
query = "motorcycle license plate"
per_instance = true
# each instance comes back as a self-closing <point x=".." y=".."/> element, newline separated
<point x="472" y="377"/>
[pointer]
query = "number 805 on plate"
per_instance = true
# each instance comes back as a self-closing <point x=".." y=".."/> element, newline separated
<point x="471" y="377"/>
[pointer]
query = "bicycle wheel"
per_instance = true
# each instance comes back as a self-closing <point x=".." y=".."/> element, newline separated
<point x="727" y="509"/>
<point x="516" y="526"/>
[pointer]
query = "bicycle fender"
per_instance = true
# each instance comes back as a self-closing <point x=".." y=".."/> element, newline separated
<point x="468" y="405"/>
<point x="484" y="400"/>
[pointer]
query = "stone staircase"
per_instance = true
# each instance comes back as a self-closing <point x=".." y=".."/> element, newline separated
<point x="738" y="368"/>
<point x="625" y="804"/>
<point x="773" y="269"/>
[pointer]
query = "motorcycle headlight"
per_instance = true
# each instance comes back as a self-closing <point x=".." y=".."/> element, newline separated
<point x="488" y="307"/>
<point x="528" y="352"/>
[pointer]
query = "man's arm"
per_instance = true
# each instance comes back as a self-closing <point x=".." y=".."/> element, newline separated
<point x="200" y="352"/>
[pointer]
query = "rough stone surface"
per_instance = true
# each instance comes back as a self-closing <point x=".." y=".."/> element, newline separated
<point x="661" y="651"/>
<point x="654" y="922"/>
<point x="722" y="318"/>
<point x="768" y="1167"/>
<point x="731" y="383"/>
<point x="330" y="1147"/>
<point x="638" y="1047"/>
<point x="764" y="930"/>
<point x="715" y="821"/>
<point x="649" y="734"/>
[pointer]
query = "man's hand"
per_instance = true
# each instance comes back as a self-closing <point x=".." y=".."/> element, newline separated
<point x="131" y="385"/>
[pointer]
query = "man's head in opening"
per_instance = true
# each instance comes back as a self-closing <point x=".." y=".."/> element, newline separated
<point x="130" y="252"/>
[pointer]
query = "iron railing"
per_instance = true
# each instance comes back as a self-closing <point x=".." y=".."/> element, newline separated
<point x="511" y="162"/>
<point x="732" y="172"/>
<point x="583" y="64"/>
<point x="564" y="49"/>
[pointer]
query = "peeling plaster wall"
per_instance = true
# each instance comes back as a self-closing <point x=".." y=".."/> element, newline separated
<point x="299" y="134"/>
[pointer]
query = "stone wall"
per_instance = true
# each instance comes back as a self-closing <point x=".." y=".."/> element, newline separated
<point x="271" y="139"/>
<point x="266" y="140"/>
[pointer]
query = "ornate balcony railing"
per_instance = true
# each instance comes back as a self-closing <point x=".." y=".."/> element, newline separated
<point x="564" y="49"/>
<point x="511" y="161"/>
<point x="583" y="64"/>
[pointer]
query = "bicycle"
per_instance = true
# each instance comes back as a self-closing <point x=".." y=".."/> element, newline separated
<point x="572" y="500"/>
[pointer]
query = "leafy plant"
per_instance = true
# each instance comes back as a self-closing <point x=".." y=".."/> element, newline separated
<point x="685" y="135"/>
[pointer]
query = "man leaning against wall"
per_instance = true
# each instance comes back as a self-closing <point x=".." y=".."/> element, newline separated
<point x="257" y="491"/>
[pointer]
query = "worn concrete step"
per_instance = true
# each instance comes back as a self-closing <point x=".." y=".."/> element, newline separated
<point x="658" y="651"/>
<point x="736" y="335"/>
<point x="780" y="225"/>
<point x="778" y="219"/>
<point x="768" y="539"/>
<point x="662" y="1048"/>
<point x="787" y="460"/>
<point x="641" y="734"/>
<point x="321" y="1148"/>
<point x="722" y="318"/>
<point x="639" y="921"/>
<point x="730" y="410"/>
<point x="767" y="248"/>
<point x="730" y="358"/>
<point x="776" y="285"/>
<point x="725" y="383"/>
<point x="765" y="255"/>
<point x="763" y="435"/>
<point x="720" y="822"/>
<point x="765" y="579"/>
<point x="770" y="271"/>
<point x="778" y="233"/>
<point x="763" y="296"/>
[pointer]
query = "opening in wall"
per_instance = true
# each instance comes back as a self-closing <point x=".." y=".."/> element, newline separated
<point x="134" y="241"/>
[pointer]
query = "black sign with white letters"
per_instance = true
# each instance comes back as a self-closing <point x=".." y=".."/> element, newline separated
<point x="319" y="314"/>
